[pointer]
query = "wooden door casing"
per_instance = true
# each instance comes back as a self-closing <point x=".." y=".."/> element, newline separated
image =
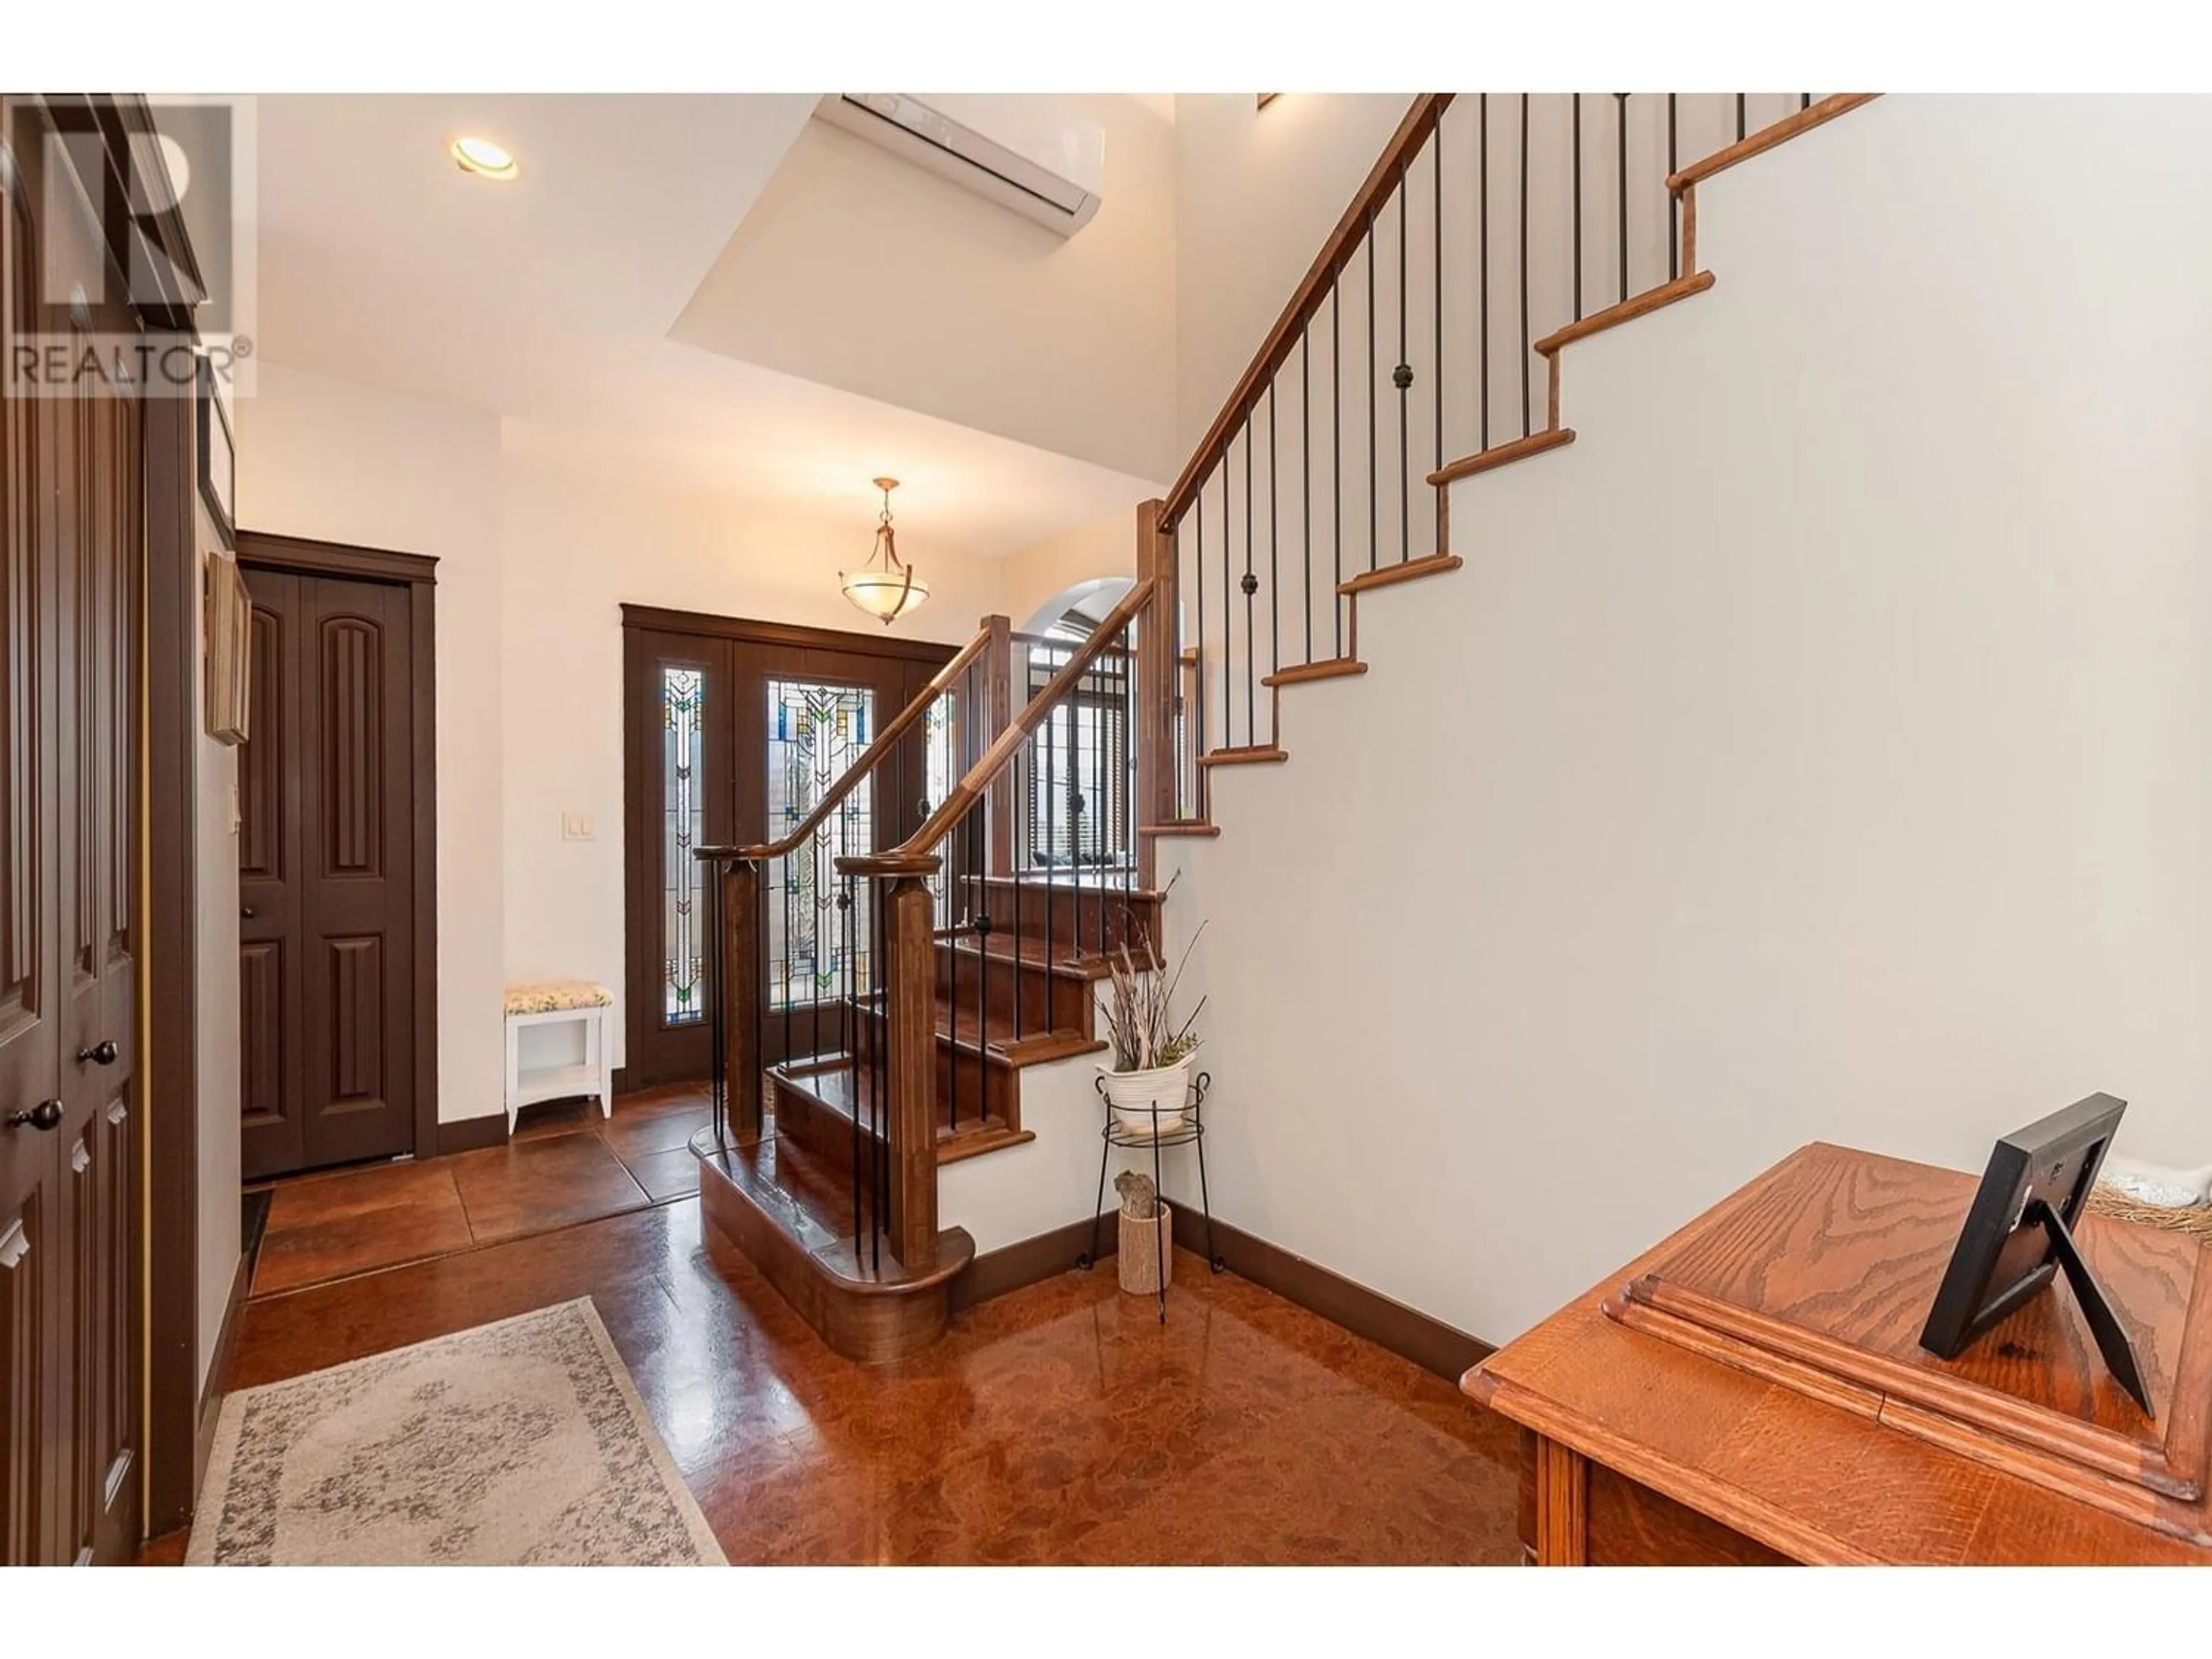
<point x="738" y="656"/>
<point x="327" y="956"/>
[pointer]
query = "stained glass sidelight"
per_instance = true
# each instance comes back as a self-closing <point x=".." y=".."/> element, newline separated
<point x="816" y="731"/>
<point x="683" y="716"/>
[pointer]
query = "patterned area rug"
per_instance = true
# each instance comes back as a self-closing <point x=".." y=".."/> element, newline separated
<point x="521" y="1443"/>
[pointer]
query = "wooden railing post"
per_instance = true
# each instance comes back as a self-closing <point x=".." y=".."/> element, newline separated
<point x="998" y="667"/>
<point x="741" y="992"/>
<point x="1156" y="663"/>
<point x="910" y="1057"/>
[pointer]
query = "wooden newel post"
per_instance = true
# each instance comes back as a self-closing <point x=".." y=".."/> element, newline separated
<point x="741" y="997"/>
<point x="1157" y="655"/>
<point x="910" y="1039"/>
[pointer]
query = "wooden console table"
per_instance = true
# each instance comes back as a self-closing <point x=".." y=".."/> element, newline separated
<point x="1752" y="1391"/>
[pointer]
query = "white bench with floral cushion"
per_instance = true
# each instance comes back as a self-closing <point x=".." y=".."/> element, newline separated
<point x="560" y="1002"/>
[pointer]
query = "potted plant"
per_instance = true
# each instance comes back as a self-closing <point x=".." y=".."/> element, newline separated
<point x="1148" y="1086"/>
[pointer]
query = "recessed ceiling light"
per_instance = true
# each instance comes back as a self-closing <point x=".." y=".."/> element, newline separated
<point x="483" y="158"/>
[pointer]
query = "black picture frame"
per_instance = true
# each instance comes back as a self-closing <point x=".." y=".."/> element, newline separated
<point x="2018" y="1234"/>
<point x="218" y="458"/>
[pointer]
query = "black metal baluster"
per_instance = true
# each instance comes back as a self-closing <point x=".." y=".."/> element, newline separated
<point x="1482" y="258"/>
<point x="1739" y="118"/>
<point x="1305" y="466"/>
<point x="1198" y="742"/>
<point x="1578" y="207"/>
<point x="1437" y="252"/>
<point x="980" y="831"/>
<point x="878" y="1099"/>
<point x="1250" y="585"/>
<point x="1620" y="108"/>
<point x="1374" y="539"/>
<point x="1673" y="216"/>
<point x="790" y="880"/>
<point x="1527" y="420"/>
<point x="1274" y="549"/>
<point x="848" y="926"/>
<point x="1336" y="451"/>
<point x="1804" y="101"/>
<point x="1402" y="378"/>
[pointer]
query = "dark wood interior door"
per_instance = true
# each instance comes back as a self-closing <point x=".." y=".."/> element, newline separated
<point x="71" y="510"/>
<point x="325" y="850"/>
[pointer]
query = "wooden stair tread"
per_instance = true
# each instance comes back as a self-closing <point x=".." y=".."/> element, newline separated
<point x="841" y="1090"/>
<point x="1070" y="881"/>
<point x="1329" y="668"/>
<point x="1003" y="946"/>
<point x="1262" y="753"/>
<point x="955" y="1030"/>
<point x="1434" y="564"/>
<point x="1181" y="827"/>
<point x="1804" y="120"/>
<point x="1635" y="306"/>
<point x="1498" y="455"/>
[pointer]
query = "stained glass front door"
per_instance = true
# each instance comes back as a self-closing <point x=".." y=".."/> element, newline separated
<point x="816" y="731"/>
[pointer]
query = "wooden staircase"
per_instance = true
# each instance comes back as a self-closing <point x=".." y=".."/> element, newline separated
<point x="822" y="1170"/>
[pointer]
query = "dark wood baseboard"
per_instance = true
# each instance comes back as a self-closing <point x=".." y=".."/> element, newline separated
<point x="1016" y="1267"/>
<point x="1429" y="1343"/>
<point x="472" y="1134"/>
<point x="218" y="1376"/>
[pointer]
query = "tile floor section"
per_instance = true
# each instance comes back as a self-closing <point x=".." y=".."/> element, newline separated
<point x="1061" y="1423"/>
<point x="565" y="1164"/>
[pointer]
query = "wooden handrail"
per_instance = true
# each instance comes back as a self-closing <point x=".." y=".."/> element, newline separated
<point x="870" y="757"/>
<point x="916" y="854"/>
<point x="1343" y="242"/>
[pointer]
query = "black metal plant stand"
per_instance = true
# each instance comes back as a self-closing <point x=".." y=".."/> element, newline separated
<point x="1190" y="1131"/>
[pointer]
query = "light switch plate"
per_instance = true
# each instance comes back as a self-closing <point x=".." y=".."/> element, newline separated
<point x="576" y="826"/>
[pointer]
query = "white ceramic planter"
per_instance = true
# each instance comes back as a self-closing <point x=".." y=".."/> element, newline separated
<point x="1146" y="1103"/>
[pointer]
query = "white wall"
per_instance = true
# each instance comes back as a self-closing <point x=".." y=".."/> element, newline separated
<point x="858" y="269"/>
<point x="1814" y="749"/>
<point x="573" y="551"/>
<point x="342" y="462"/>
<point x="1257" y="191"/>
<point x="1104" y="546"/>
<point x="215" y="833"/>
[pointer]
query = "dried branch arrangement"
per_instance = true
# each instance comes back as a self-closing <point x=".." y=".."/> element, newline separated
<point x="1139" y="1004"/>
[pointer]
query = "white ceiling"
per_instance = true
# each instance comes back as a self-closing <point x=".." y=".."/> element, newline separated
<point x="549" y="301"/>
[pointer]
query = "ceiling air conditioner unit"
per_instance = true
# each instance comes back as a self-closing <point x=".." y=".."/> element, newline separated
<point x="1026" y="153"/>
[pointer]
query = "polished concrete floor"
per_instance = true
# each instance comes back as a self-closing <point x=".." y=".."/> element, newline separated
<point x="1062" y="1422"/>
<point x="565" y="1164"/>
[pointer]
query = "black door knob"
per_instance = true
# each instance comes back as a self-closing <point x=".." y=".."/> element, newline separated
<point x="102" y="1053"/>
<point x="47" y="1115"/>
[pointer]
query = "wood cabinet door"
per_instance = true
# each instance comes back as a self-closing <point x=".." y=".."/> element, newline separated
<point x="31" y="1448"/>
<point x="326" y="946"/>
<point x="71" y="510"/>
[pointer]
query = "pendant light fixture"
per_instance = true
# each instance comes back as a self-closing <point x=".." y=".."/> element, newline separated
<point x="884" y="587"/>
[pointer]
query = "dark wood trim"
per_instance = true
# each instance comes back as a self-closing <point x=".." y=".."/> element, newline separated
<point x="418" y="572"/>
<point x="471" y="1135"/>
<point x="170" y="979"/>
<point x="1421" y="120"/>
<point x="1429" y="1343"/>
<point x="750" y="631"/>
<point x="422" y="709"/>
<point x="217" y="1385"/>
<point x="316" y="558"/>
<point x="1635" y="306"/>
<point x="1013" y="1267"/>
